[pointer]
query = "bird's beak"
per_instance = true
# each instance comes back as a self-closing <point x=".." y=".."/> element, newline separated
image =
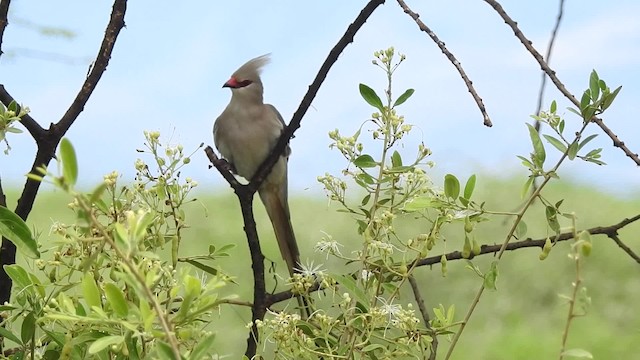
<point x="231" y="83"/>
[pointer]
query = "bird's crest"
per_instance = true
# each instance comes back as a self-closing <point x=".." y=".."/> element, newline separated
<point x="252" y="68"/>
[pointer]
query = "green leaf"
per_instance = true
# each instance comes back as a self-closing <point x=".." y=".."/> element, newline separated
<point x="586" y="140"/>
<point x="491" y="277"/>
<point x="370" y="96"/>
<point x="203" y="267"/>
<point x="365" y="161"/>
<point x="201" y="350"/>
<point x="594" y="85"/>
<point x="573" y="150"/>
<point x="105" y="342"/>
<point x="69" y="162"/>
<point x="372" y="347"/>
<point x="28" y="328"/>
<point x="9" y="335"/>
<point x="402" y="98"/>
<point x="164" y="350"/>
<point x="553" y="107"/>
<point x="19" y="275"/>
<point x="451" y="186"/>
<point x="574" y="111"/>
<point x="350" y="284"/>
<point x="470" y="186"/>
<point x="584" y="101"/>
<point x="521" y="229"/>
<point x="418" y="203"/>
<point x="116" y="299"/>
<point x="579" y="353"/>
<point x="538" y="146"/>
<point x="396" y="160"/>
<point x="556" y="143"/>
<point x="90" y="291"/>
<point x="16" y="230"/>
<point x="609" y="99"/>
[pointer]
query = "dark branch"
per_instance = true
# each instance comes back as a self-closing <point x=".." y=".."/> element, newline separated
<point x="4" y="19"/>
<point x="610" y="231"/>
<point x="32" y="126"/>
<point x="425" y="315"/>
<point x="624" y="247"/>
<point x="552" y="75"/>
<point x="452" y="59"/>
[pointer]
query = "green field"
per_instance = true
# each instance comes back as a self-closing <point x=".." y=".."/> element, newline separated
<point x="524" y="319"/>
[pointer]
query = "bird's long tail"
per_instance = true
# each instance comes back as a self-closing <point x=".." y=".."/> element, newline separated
<point x="274" y="198"/>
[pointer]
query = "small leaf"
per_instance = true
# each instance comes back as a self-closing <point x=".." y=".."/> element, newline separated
<point x="561" y="126"/>
<point x="579" y="353"/>
<point x="584" y="101"/>
<point x="594" y="85"/>
<point x="372" y="347"/>
<point x="574" y="111"/>
<point x="418" y="203"/>
<point x="9" y="335"/>
<point x="402" y="98"/>
<point x="28" y="328"/>
<point x="370" y="96"/>
<point x="19" y="275"/>
<point x="521" y="229"/>
<point x="609" y="99"/>
<point x="69" y="162"/>
<point x="90" y="291"/>
<point x="573" y="150"/>
<point x="451" y="186"/>
<point x="365" y="161"/>
<point x="116" y="299"/>
<point x="203" y="267"/>
<point x="470" y="186"/>
<point x="201" y="350"/>
<point x="396" y="160"/>
<point x="538" y="147"/>
<point x="491" y="277"/>
<point x="586" y="140"/>
<point x="16" y="230"/>
<point x="105" y="342"/>
<point x="556" y="143"/>
<point x="553" y="107"/>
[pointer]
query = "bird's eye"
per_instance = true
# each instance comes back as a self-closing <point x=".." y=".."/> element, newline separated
<point x="244" y="83"/>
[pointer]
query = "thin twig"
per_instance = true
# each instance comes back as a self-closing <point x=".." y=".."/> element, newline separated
<point x="543" y="81"/>
<point x="624" y="247"/>
<point x="452" y="59"/>
<point x="425" y="315"/>
<point x="552" y="75"/>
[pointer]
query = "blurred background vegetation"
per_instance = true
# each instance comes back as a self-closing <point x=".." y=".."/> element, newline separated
<point x="523" y="319"/>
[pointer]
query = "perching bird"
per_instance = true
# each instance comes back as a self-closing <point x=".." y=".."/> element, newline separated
<point x="245" y="133"/>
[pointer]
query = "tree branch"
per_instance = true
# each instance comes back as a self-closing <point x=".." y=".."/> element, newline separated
<point x="610" y="231"/>
<point x="4" y="20"/>
<point x="48" y="140"/>
<point x="32" y="126"/>
<point x="452" y="59"/>
<point x="552" y="75"/>
<point x="425" y="315"/>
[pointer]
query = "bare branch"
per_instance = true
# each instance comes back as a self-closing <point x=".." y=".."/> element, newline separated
<point x="4" y="20"/>
<point x="624" y="247"/>
<point x="610" y="231"/>
<point x="425" y="315"/>
<point x="552" y="40"/>
<point x="552" y="75"/>
<point x="452" y="59"/>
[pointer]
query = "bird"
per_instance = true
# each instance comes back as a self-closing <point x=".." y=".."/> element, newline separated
<point x="244" y="134"/>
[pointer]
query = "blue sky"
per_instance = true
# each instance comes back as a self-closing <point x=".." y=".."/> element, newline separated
<point x="170" y="61"/>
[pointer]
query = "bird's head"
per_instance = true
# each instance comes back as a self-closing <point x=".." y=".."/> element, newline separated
<point x="246" y="80"/>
